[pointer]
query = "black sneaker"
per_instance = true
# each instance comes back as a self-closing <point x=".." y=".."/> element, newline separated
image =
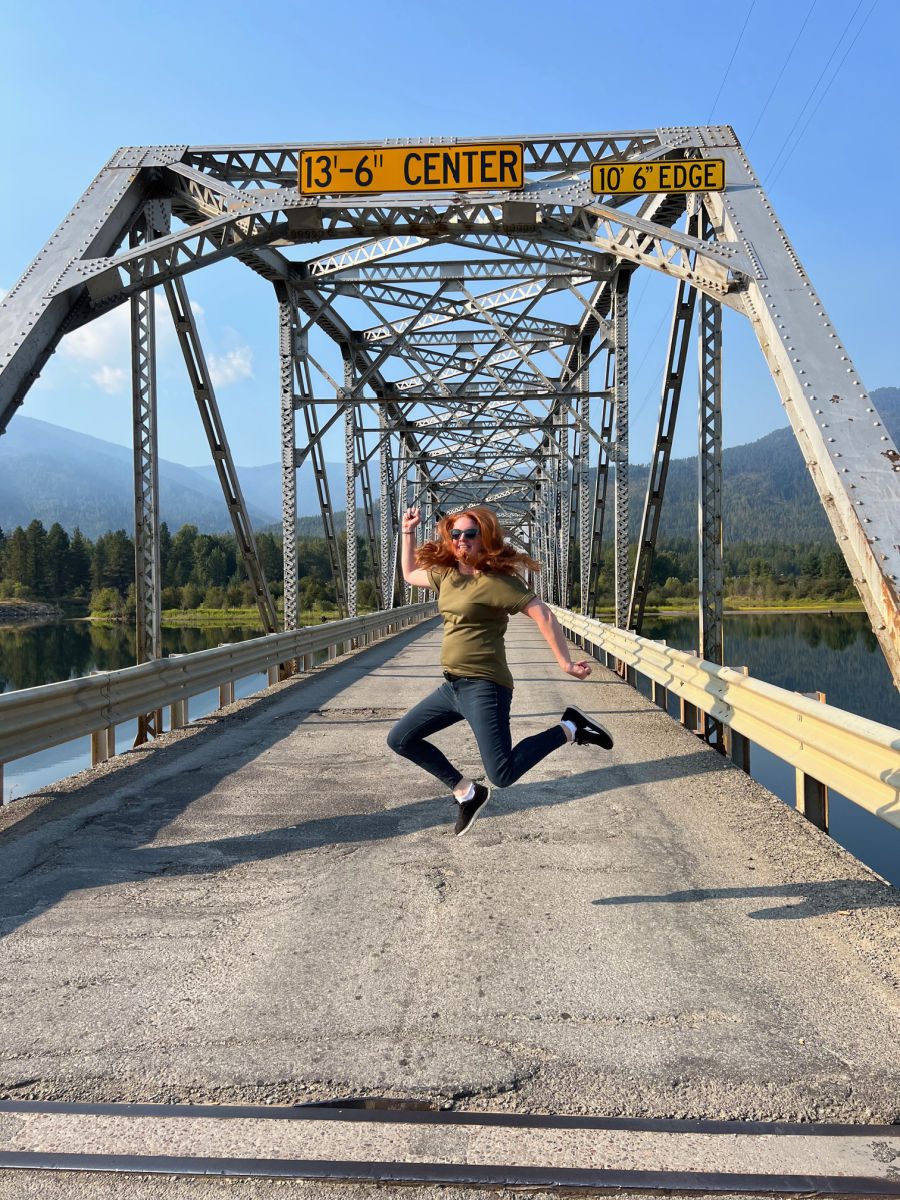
<point x="588" y="732"/>
<point x="469" y="809"/>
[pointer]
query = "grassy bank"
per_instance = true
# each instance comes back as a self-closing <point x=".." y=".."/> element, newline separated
<point x="244" y="617"/>
<point x="249" y="617"/>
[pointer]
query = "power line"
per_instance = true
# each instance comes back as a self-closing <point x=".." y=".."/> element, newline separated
<point x="731" y="60"/>
<point x="813" y="90"/>
<point x="780" y="73"/>
<point x="837" y="72"/>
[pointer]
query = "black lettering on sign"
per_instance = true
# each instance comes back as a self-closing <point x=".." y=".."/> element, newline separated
<point x="488" y="164"/>
<point x="679" y="176"/>
<point x="431" y="164"/>
<point x="469" y="156"/>
<point x="408" y="165"/>
<point x="710" y="175"/>
<point x="451" y="167"/>
<point x="508" y="159"/>
<point x="665" y="172"/>
<point x="325" y="178"/>
<point x="695" y="177"/>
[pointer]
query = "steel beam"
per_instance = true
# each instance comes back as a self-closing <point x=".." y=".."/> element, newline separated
<point x="286" y="337"/>
<point x="711" y="578"/>
<point x="201" y="382"/>
<point x="851" y="458"/>
<point x="673" y="380"/>
<point x="350" y="494"/>
<point x="147" y="573"/>
<point x="620" y="458"/>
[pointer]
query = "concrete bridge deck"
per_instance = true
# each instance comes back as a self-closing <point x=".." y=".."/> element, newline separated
<point x="271" y="908"/>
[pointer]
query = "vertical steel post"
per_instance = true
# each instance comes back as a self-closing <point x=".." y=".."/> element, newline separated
<point x="601" y="481"/>
<point x="288" y="461"/>
<point x="385" y="512"/>
<point x="350" y="469"/>
<point x="709" y="516"/>
<point x="564" y="486"/>
<point x="620" y="335"/>
<point x="402" y="503"/>
<point x="147" y="570"/>
<point x="584" y="471"/>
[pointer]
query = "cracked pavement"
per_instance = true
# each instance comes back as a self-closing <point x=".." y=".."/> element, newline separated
<point x="270" y="907"/>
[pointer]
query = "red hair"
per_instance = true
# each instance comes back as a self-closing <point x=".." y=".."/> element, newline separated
<point x="496" y="553"/>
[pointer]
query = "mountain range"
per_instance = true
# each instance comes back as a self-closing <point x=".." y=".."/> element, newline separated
<point x="55" y="474"/>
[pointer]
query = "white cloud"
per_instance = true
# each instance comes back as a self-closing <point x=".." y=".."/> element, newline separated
<point x="110" y="379"/>
<point x="101" y="341"/>
<point x="197" y="309"/>
<point x="229" y="368"/>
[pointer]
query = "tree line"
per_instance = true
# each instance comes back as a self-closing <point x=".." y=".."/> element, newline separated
<point x="205" y="570"/>
<point x="197" y="569"/>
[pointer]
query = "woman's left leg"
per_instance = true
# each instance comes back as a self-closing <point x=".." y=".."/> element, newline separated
<point x="486" y="705"/>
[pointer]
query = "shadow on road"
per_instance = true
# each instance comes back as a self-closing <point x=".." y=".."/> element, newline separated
<point x="815" y="898"/>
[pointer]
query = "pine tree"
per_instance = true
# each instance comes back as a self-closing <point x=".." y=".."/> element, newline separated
<point x="80" y="564"/>
<point x="36" y="559"/>
<point x="58" y="566"/>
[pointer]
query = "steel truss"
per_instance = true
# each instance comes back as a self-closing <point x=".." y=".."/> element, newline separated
<point x="453" y="339"/>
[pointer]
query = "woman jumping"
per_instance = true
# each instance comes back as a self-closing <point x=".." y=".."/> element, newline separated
<point x="475" y="574"/>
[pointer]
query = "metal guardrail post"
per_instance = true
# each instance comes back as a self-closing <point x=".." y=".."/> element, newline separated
<point x="689" y="713"/>
<point x="103" y="745"/>
<point x="658" y="693"/>
<point x="226" y="690"/>
<point x="178" y="709"/>
<point x="812" y="795"/>
<point x="272" y="675"/>
<point x="737" y="747"/>
<point x="101" y="740"/>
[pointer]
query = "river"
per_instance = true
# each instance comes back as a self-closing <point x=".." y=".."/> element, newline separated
<point x="807" y="652"/>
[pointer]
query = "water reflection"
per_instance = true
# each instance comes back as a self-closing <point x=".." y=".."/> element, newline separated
<point x="835" y="653"/>
<point x="42" y="654"/>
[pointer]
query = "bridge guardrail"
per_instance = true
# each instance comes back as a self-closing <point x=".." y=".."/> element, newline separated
<point x="37" y="718"/>
<point x="857" y="757"/>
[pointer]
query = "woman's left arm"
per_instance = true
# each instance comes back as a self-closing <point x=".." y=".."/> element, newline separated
<point x="555" y="638"/>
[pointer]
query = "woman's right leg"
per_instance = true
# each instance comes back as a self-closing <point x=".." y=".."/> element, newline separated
<point x="407" y="738"/>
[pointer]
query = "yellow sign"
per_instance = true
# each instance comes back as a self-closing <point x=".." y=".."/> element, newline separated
<point x="410" y="169"/>
<point x="690" y="175"/>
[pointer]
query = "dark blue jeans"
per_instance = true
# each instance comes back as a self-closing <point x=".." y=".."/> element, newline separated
<point x="485" y="705"/>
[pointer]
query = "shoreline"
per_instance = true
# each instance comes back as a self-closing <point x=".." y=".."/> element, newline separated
<point x="16" y="614"/>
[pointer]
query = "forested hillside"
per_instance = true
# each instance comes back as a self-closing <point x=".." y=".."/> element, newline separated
<point x="56" y="476"/>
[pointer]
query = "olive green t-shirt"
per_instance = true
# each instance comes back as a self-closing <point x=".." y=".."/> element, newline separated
<point x="476" y="612"/>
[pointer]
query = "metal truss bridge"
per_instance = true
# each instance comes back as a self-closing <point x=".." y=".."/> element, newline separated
<point x="482" y="343"/>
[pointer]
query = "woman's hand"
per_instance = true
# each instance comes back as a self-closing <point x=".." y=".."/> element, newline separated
<point x="411" y="518"/>
<point x="579" y="670"/>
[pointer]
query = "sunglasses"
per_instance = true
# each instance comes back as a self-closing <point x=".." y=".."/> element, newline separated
<point x="469" y="534"/>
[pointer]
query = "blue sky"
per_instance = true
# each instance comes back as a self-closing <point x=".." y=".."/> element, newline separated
<point x="810" y="89"/>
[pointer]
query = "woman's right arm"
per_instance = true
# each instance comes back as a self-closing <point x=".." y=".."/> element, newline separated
<point x="416" y="576"/>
